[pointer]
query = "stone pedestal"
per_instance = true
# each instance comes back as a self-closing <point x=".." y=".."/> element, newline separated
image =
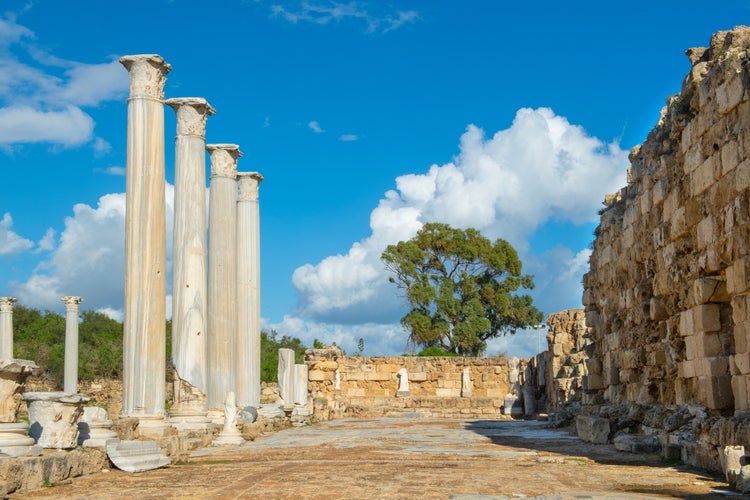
<point x="144" y="326"/>
<point x="53" y="418"/>
<point x="189" y="297"/>
<point x="189" y="411"/>
<point x="403" y="383"/>
<point x="248" y="290"/>
<point x="466" y="385"/>
<point x="230" y="435"/>
<point x="16" y="442"/>
<point x="153" y="426"/>
<point x="70" y="384"/>
<point x="6" y="327"/>
<point x="222" y="273"/>
<point x="95" y="428"/>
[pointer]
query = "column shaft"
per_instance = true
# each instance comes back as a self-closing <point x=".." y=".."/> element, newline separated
<point x="70" y="380"/>
<point x="248" y="290"/>
<point x="189" y="297"/>
<point x="222" y="273"/>
<point x="144" y="329"/>
<point x="6" y="327"/>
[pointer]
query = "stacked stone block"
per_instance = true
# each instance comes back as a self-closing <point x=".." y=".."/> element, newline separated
<point x="666" y="294"/>
<point x="568" y="343"/>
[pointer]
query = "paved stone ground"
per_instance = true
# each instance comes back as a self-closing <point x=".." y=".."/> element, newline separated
<point x="404" y="458"/>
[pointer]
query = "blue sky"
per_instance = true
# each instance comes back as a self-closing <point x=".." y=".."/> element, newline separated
<point x="367" y="119"/>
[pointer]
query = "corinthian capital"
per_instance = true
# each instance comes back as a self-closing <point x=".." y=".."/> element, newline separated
<point x="248" y="185"/>
<point x="224" y="159"/>
<point x="146" y="75"/>
<point x="6" y="303"/>
<point x="191" y="114"/>
<point x="71" y="301"/>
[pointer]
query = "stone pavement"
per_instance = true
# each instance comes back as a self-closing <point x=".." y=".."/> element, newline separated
<point x="404" y="458"/>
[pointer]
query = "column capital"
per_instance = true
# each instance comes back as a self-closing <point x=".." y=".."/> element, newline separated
<point x="224" y="159"/>
<point x="6" y="303"/>
<point x="146" y="75"/>
<point x="71" y="301"/>
<point x="191" y="114"/>
<point x="248" y="185"/>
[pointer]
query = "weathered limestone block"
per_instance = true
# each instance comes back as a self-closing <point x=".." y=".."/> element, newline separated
<point x="738" y="280"/>
<point x="13" y="375"/>
<point x="716" y="392"/>
<point x="592" y="429"/>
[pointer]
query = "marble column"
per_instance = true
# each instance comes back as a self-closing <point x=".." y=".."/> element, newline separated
<point x="286" y="377"/>
<point x="144" y="328"/>
<point x="301" y="382"/>
<point x="189" y="298"/>
<point x="6" y="327"/>
<point x="70" y="380"/>
<point x="222" y="273"/>
<point x="248" y="290"/>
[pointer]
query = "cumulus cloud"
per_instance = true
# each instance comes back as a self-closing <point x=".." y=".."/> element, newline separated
<point x="315" y="127"/>
<point x="540" y="169"/>
<point x="89" y="258"/>
<point x="43" y="101"/>
<point x="326" y="12"/>
<point x="48" y="241"/>
<point x="10" y="242"/>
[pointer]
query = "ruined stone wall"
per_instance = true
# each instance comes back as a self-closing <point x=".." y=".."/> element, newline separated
<point x="368" y="386"/>
<point x="569" y="348"/>
<point x="666" y="296"/>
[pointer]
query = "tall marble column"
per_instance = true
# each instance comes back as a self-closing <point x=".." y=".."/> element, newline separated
<point x="144" y="328"/>
<point x="70" y="380"/>
<point x="248" y="290"/>
<point x="6" y="327"/>
<point x="189" y="298"/>
<point x="222" y="272"/>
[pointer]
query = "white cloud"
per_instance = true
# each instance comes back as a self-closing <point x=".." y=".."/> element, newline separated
<point x="101" y="147"/>
<point x="10" y="242"/>
<point x="89" y="258"/>
<point x="348" y="138"/>
<point x="540" y="169"/>
<point x="21" y="124"/>
<point x="315" y="127"/>
<point x="41" y="102"/>
<point x="47" y="242"/>
<point x="113" y="170"/>
<point x="330" y="11"/>
<point x="115" y="314"/>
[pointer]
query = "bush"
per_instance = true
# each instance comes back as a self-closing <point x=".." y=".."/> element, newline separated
<point x="434" y="350"/>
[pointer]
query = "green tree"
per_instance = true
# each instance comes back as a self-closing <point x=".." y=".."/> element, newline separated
<point x="460" y="287"/>
<point x="270" y="343"/>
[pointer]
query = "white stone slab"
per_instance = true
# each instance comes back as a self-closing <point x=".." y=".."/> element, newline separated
<point x="136" y="456"/>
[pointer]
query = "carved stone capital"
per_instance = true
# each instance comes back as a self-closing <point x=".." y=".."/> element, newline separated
<point x="146" y="75"/>
<point x="71" y="301"/>
<point x="6" y="303"/>
<point x="191" y="115"/>
<point x="248" y="185"/>
<point x="224" y="159"/>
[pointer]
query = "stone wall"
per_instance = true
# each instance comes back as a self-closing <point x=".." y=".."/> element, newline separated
<point x="569" y="348"/>
<point x="667" y="294"/>
<point x="368" y="386"/>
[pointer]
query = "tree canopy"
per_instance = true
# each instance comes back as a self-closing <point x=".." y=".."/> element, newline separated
<point x="461" y="288"/>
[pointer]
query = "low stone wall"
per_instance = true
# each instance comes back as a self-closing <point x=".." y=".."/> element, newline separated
<point x="367" y="386"/>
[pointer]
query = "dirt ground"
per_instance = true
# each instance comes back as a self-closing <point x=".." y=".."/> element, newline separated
<point x="404" y="458"/>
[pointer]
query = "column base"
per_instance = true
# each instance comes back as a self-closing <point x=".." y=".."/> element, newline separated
<point x="15" y="441"/>
<point x="231" y="438"/>
<point x="402" y="394"/>
<point x="153" y="426"/>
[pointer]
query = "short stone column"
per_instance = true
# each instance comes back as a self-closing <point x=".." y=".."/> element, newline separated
<point x="403" y="383"/>
<point x="248" y="290"/>
<point x="95" y="428"/>
<point x="14" y="437"/>
<point x="466" y="385"/>
<point x="144" y="327"/>
<point x="70" y="381"/>
<point x="53" y="418"/>
<point x="222" y="273"/>
<point x="300" y="384"/>
<point x="229" y="435"/>
<point x="6" y="327"/>
<point x="286" y="377"/>
<point x="189" y="285"/>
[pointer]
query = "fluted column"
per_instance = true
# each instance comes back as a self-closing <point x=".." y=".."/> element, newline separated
<point x="6" y="327"/>
<point x="248" y="290"/>
<point x="189" y="297"/>
<point x="70" y="380"/>
<point x="222" y="272"/>
<point x="144" y="328"/>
